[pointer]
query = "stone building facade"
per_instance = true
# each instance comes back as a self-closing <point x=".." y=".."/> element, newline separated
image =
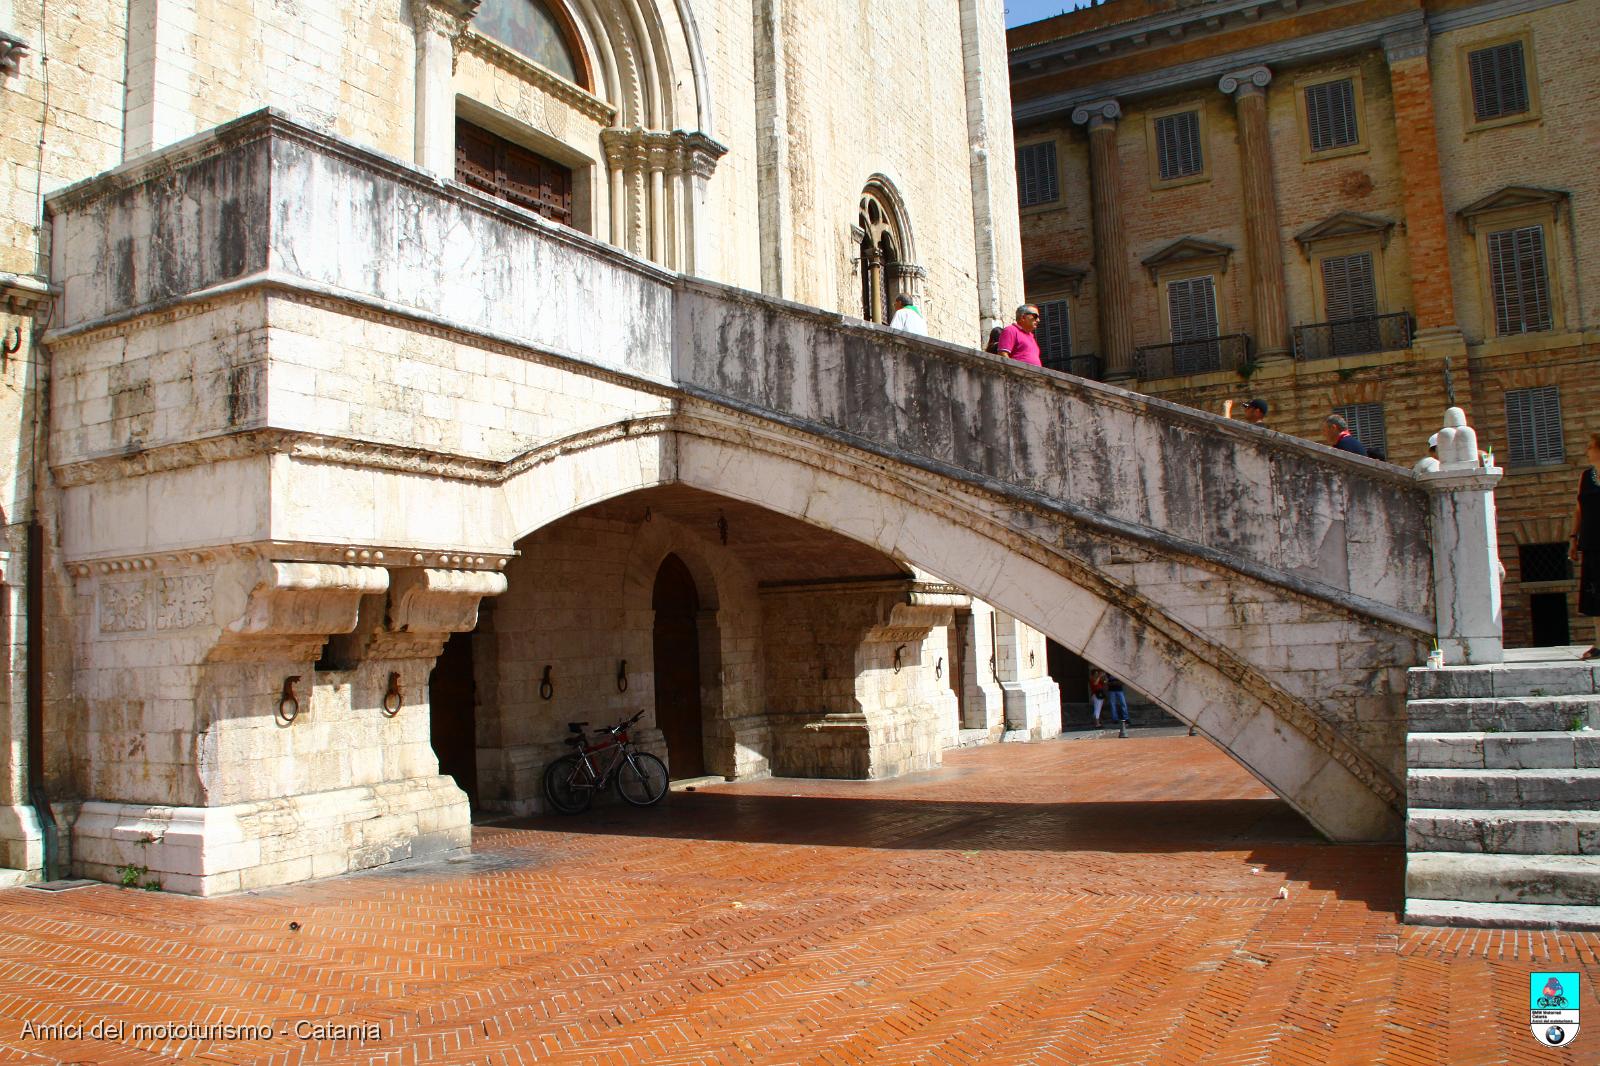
<point x="1375" y="208"/>
<point x="252" y="608"/>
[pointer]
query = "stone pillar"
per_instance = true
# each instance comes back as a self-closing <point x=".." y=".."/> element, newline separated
<point x="700" y="154"/>
<point x="657" y="149"/>
<point x="1248" y="88"/>
<point x="1110" y="253"/>
<point x="1466" y="556"/>
<point x="625" y="158"/>
<point x="1030" y="699"/>
<point x="1422" y="193"/>
<point x="439" y="24"/>
<point x="772" y="150"/>
<point x="21" y="835"/>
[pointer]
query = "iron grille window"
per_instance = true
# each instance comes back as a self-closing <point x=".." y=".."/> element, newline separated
<point x="1178" y="145"/>
<point x="1036" y="174"/>
<point x="1499" y="81"/>
<point x="1366" y="422"/>
<point x="1533" y="426"/>
<point x="1519" y="281"/>
<point x="1544" y="562"/>
<point x="1331" y="115"/>
<point x="1055" y="329"/>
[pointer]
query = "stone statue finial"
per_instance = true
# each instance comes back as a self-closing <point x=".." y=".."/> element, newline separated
<point x="1458" y="442"/>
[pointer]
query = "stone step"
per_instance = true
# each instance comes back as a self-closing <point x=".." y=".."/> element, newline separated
<point x="1502" y="831"/>
<point x="1521" y="714"/>
<point x="1504" y="789"/>
<point x="1500" y="915"/>
<point x="1503" y="751"/>
<point x="1562" y="678"/>
<point x="1559" y="880"/>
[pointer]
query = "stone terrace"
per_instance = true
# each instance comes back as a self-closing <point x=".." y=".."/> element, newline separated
<point x="1058" y="903"/>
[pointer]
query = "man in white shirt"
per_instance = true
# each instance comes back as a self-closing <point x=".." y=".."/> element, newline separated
<point x="907" y="317"/>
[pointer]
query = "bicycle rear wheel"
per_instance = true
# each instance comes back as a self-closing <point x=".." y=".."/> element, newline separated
<point x="642" y="779"/>
<point x="568" y="785"/>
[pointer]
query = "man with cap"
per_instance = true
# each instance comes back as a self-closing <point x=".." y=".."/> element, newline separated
<point x="1429" y="462"/>
<point x="1254" y="412"/>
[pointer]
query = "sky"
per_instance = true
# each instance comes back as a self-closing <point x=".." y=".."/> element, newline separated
<point x="1020" y="11"/>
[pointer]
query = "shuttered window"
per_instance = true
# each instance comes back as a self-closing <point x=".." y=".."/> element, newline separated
<point x="1331" y="115"/>
<point x="1178" y="145"/>
<point x="1366" y="422"/>
<point x="1519" y="281"/>
<point x="1533" y="426"/>
<point x="1055" y="330"/>
<point x="1192" y="309"/>
<point x="1348" y="288"/>
<point x="1499" y="81"/>
<point x="1036" y="174"/>
<point x="502" y="168"/>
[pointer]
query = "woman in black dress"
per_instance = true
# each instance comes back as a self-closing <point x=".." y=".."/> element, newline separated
<point x="1586" y="542"/>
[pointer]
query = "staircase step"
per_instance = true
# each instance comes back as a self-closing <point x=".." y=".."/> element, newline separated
<point x="1527" y="714"/>
<point x="1560" y="880"/>
<point x="1502" y="831"/>
<point x="1562" y="678"/>
<point x="1500" y="915"/>
<point x="1507" y="789"/>
<point x="1504" y="751"/>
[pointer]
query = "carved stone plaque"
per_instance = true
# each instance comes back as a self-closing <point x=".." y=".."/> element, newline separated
<point x="123" y="607"/>
<point x="182" y="602"/>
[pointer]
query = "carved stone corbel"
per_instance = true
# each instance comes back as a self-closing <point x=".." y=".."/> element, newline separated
<point x="426" y="606"/>
<point x="292" y="608"/>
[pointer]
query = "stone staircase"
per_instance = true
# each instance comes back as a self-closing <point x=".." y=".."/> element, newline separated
<point x="1503" y="791"/>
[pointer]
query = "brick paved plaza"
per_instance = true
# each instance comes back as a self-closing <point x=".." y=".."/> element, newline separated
<point x="1066" y="902"/>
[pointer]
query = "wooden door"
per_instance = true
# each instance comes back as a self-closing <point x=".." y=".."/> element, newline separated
<point x="677" y="666"/>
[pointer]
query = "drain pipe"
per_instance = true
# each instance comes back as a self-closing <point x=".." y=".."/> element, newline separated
<point x="35" y="683"/>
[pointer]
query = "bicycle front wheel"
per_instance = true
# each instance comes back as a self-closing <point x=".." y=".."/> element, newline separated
<point x="642" y="779"/>
<point x="568" y="785"/>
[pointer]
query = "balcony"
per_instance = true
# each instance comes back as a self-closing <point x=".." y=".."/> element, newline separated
<point x="1227" y="352"/>
<point x="1353" y="336"/>
<point x="1084" y="366"/>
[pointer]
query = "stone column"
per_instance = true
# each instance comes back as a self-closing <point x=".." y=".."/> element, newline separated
<point x="1422" y="196"/>
<point x="1466" y="554"/>
<point x="625" y="158"/>
<point x="701" y="154"/>
<point x="1248" y="88"/>
<point x="439" y="24"/>
<point x="657" y="151"/>
<point x="1110" y="259"/>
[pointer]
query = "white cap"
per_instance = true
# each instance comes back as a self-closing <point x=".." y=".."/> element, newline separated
<point x="1433" y="441"/>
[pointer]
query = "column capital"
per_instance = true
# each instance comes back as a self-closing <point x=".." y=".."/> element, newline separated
<point x="1241" y="83"/>
<point x="446" y="17"/>
<point x="1097" y="113"/>
<point x="1408" y="43"/>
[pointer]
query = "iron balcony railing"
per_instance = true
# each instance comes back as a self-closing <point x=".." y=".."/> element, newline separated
<point x="1354" y="336"/>
<point x="1085" y="366"/>
<point x="1228" y="352"/>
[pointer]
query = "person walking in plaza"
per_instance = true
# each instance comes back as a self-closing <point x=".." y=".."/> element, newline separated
<point x="907" y="317"/>
<point x="1017" y="340"/>
<point x="1585" y="542"/>
<point x="1118" y="700"/>
<point x="1336" y="434"/>
<point x="1097" y="693"/>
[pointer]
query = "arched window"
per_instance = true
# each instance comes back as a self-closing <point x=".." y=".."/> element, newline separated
<point x="881" y="243"/>
<point x="532" y="28"/>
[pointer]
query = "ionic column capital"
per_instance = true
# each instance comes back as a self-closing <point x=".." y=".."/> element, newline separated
<point x="1097" y="113"/>
<point x="1246" y="82"/>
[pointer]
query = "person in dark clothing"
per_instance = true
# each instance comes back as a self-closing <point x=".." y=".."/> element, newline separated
<point x="1117" y="702"/>
<point x="1336" y="434"/>
<point x="1585" y="542"/>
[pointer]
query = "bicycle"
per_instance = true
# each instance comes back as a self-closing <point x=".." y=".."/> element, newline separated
<point x="571" y="781"/>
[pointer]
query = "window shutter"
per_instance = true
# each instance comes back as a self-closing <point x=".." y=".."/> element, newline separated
<point x="1499" y="81"/>
<point x="1192" y="306"/>
<point x="1519" y="281"/>
<point x="1533" y="426"/>
<point x="1348" y="287"/>
<point x="1055" y="330"/>
<point x="1178" y="145"/>
<point x="1331" y="115"/>
<point x="1367" y="423"/>
<point x="1037" y="182"/>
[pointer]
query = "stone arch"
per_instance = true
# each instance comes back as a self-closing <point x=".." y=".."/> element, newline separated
<point x="1274" y="735"/>
<point x="648" y="62"/>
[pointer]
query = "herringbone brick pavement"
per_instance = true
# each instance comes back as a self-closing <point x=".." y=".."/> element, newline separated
<point x="1059" y="903"/>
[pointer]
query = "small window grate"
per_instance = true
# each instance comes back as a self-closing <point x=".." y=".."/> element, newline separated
<point x="1519" y="281"/>
<point x="1367" y="423"/>
<point x="1533" y="426"/>
<point x="1055" y="329"/>
<point x="1178" y="145"/>
<point x="1499" y="81"/>
<point x="1331" y="115"/>
<point x="1037" y="181"/>
<point x="1544" y="562"/>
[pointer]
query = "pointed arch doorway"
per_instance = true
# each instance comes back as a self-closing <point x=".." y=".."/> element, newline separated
<point x="676" y="644"/>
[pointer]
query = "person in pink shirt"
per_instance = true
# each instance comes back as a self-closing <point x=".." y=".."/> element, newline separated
<point x="1017" y="342"/>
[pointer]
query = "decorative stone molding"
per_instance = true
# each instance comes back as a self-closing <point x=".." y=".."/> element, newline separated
<point x="1344" y="224"/>
<point x="391" y="557"/>
<point x="13" y="50"/>
<point x="513" y="62"/>
<point x="448" y="18"/>
<point x="1188" y="252"/>
<point x="1053" y="277"/>
<point x="1513" y="198"/>
<point x="1244" y="82"/>
<point x="431" y="604"/>
<point x="1097" y="113"/>
<point x="25" y="294"/>
<point x="293" y="607"/>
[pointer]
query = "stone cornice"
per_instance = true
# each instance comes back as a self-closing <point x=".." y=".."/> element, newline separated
<point x="1187" y="251"/>
<point x="1511" y="198"/>
<point x="1461" y="18"/>
<point x="25" y="294"/>
<point x="512" y="62"/>
<point x="1343" y="224"/>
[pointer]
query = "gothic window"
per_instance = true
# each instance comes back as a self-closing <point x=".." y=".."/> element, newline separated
<point x="532" y="28"/>
<point x="882" y="263"/>
<point x="502" y="168"/>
